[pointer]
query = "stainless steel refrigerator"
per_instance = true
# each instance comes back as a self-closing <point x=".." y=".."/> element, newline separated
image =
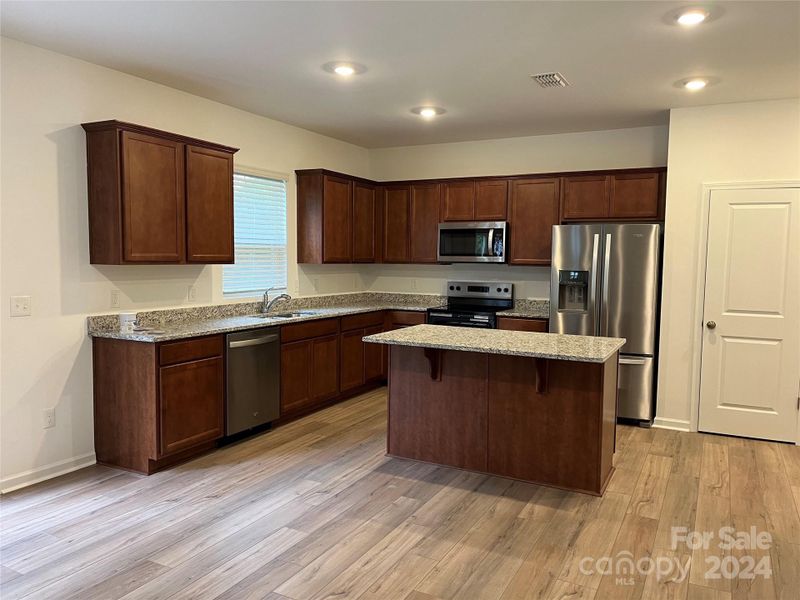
<point x="605" y="280"/>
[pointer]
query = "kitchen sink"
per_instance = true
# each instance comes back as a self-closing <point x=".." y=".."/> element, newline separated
<point x="288" y="315"/>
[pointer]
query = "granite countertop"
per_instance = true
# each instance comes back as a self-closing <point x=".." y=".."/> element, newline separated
<point x="577" y="348"/>
<point x="177" y="331"/>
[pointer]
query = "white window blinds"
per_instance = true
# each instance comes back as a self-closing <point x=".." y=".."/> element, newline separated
<point x="259" y="233"/>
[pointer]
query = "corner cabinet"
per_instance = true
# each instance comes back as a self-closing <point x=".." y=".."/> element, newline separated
<point x="157" y="197"/>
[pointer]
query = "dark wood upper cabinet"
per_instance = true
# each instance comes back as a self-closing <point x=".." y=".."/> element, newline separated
<point x="491" y="200"/>
<point x="157" y="197"/>
<point x="635" y="196"/>
<point x="533" y="210"/>
<point x="585" y="197"/>
<point x="337" y="219"/>
<point x="209" y="205"/>
<point x="396" y="227"/>
<point x="458" y="201"/>
<point x="618" y="196"/>
<point x="365" y="222"/>
<point x="424" y="221"/>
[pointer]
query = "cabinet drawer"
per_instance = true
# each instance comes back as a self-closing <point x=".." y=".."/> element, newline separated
<point x="193" y="349"/>
<point x="312" y="329"/>
<point x="363" y="320"/>
<point x="521" y="324"/>
<point x="405" y="317"/>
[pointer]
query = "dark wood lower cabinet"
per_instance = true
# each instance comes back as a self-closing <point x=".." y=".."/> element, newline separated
<point x="191" y="404"/>
<point x="522" y="324"/>
<point x="324" y="368"/>
<point x="157" y="404"/>
<point x="295" y="380"/>
<point x="351" y="360"/>
<point x="374" y="362"/>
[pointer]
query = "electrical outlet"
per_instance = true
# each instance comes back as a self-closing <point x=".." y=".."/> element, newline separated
<point x="20" y="306"/>
<point x="192" y="294"/>
<point x="49" y="416"/>
<point x="114" y="298"/>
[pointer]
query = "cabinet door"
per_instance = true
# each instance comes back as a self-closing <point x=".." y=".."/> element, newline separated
<point x="491" y="200"/>
<point x="533" y="210"/>
<point x="364" y="222"/>
<point x="634" y="196"/>
<point x="324" y="367"/>
<point x="424" y="222"/>
<point x="152" y="199"/>
<point x="337" y="220"/>
<point x="515" y="324"/>
<point x="191" y="399"/>
<point x="458" y="201"/>
<point x="396" y="232"/>
<point x="374" y="367"/>
<point x="585" y="197"/>
<point x="209" y="206"/>
<point x="295" y="376"/>
<point x="351" y="359"/>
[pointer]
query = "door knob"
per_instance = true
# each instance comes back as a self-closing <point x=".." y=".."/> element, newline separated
<point x="711" y="324"/>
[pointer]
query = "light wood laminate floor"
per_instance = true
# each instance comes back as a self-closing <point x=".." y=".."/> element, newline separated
<point x="315" y="510"/>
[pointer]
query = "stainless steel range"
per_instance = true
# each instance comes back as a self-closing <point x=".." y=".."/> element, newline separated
<point x="473" y="304"/>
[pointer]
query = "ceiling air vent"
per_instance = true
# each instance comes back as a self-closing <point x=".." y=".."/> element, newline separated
<point x="550" y="80"/>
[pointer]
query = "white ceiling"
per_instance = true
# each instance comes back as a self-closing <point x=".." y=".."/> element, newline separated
<point x="473" y="58"/>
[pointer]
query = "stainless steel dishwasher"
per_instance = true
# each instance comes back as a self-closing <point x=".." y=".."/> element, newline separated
<point x="253" y="379"/>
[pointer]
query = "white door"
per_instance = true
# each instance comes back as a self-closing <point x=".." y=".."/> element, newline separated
<point x="750" y="370"/>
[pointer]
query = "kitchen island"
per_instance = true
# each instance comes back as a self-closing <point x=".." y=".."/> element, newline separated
<point x="537" y="407"/>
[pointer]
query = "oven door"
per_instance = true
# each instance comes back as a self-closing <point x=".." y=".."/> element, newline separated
<point x="477" y="241"/>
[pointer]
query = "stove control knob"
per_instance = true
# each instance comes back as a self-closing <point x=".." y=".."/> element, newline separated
<point x="498" y="289"/>
<point x="505" y="290"/>
<point x="458" y="288"/>
<point x="452" y="287"/>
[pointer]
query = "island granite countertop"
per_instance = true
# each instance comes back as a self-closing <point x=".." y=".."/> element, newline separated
<point x="555" y="346"/>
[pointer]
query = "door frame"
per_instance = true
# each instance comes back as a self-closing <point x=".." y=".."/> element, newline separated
<point x="700" y="286"/>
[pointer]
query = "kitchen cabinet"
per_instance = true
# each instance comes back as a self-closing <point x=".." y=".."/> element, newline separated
<point x="374" y="359"/>
<point x="424" y="222"/>
<point x="324" y="217"/>
<point x="157" y="404"/>
<point x="360" y="363"/>
<point x="157" y="197"/>
<point x="617" y="196"/>
<point x="366" y="223"/>
<point x="396" y="224"/>
<point x="309" y="364"/>
<point x="458" y="201"/>
<point x="533" y="210"/>
<point x="474" y="200"/>
<point x="522" y="324"/>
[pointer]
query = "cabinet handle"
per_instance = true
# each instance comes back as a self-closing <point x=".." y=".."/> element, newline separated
<point x="254" y="342"/>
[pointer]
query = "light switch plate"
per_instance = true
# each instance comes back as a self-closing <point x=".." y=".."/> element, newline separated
<point x="192" y="294"/>
<point x="20" y="306"/>
<point x="49" y="418"/>
<point x="114" y="298"/>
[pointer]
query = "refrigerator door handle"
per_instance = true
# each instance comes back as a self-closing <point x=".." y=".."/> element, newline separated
<point x="604" y="300"/>
<point x="632" y="361"/>
<point x="593" y="283"/>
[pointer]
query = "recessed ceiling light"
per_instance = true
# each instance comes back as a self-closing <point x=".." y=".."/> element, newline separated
<point x="694" y="85"/>
<point x="691" y="17"/>
<point x="344" y="69"/>
<point x="428" y="112"/>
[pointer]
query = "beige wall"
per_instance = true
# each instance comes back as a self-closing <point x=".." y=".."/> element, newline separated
<point x="754" y="141"/>
<point x="46" y="358"/>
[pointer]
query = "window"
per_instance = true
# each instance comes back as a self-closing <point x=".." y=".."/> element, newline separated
<point x="259" y="236"/>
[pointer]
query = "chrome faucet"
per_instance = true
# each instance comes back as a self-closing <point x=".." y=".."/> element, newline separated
<point x="267" y="304"/>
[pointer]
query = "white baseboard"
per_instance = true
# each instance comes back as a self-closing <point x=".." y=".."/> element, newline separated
<point x="676" y="424"/>
<point x="62" y="467"/>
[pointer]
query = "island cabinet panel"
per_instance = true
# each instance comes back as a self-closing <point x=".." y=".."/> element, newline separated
<point x="157" y="197"/>
<point x="157" y="404"/>
<point x="533" y="210"/>
<point x="209" y="205"/>
<point x="424" y="222"/>
<point x="520" y="324"/>
<point x="396" y="225"/>
<point x="442" y="421"/>
<point x="556" y="436"/>
<point x="458" y="201"/>
<point x="491" y="200"/>
<point x="365" y="223"/>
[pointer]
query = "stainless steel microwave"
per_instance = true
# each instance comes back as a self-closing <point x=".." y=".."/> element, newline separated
<point x="473" y="241"/>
